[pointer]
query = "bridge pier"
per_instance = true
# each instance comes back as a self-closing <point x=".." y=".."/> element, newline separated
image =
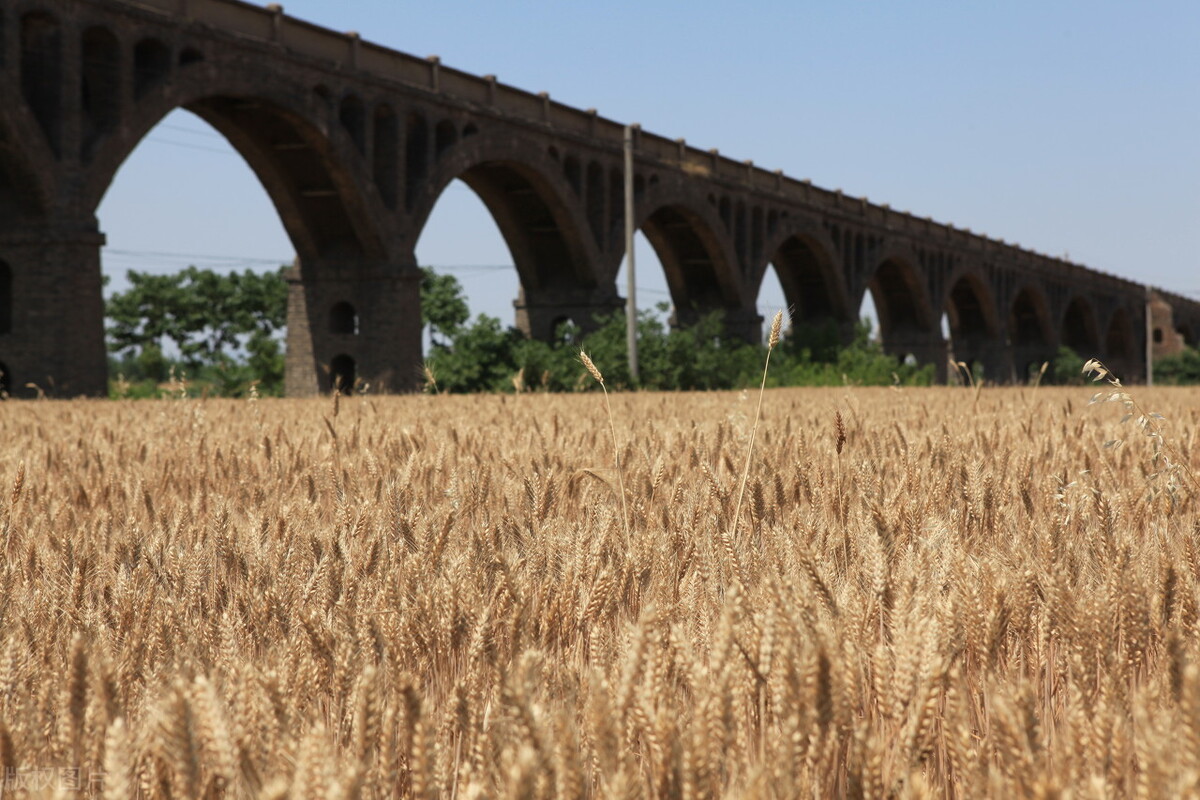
<point x="353" y="328"/>
<point x="993" y="356"/>
<point x="926" y="348"/>
<point x="539" y="313"/>
<point x="740" y="323"/>
<point x="1027" y="359"/>
<point x="745" y="324"/>
<point x="54" y="336"/>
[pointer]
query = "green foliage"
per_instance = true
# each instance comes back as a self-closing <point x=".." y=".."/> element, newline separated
<point x="443" y="307"/>
<point x="480" y="358"/>
<point x="1178" y="370"/>
<point x="1065" y="369"/>
<point x="224" y="326"/>
<point x="486" y="357"/>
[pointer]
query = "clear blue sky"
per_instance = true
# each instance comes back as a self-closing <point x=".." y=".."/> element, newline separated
<point x="1067" y="127"/>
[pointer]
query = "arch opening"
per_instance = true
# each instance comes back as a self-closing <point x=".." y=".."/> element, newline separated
<point x="968" y="324"/>
<point x="141" y="211"/>
<point x="1119" y="343"/>
<point x="416" y="154"/>
<point x="294" y="163"/>
<point x="595" y="201"/>
<point x="353" y="117"/>
<point x="460" y="238"/>
<point x="342" y="374"/>
<point x="1027" y="320"/>
<point x="809" y="283"/>
<point x="1079" y="328"/>
<point x="899" y="301"/>
<point x="691" y="261"/>
<point x="543" y="245"/>
<point x="771" y="299"/>
<point x="968" y="312"/>
<point x="100" y="85"/>
<point x="151" y="66"/>
<point x="386" y="155"/>
<point x="868" y="316"/>
<point x="41" y="73"/>
<point x="653" y="292"/>
<point x="445" y="135"/>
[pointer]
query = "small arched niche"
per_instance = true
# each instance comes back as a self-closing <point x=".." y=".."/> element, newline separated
<point x="342" y="374"/>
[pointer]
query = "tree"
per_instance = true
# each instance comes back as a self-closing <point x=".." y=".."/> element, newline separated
<point x="225" y="323"/>
<point x="1182" y="369"/>
<point x="443" y="306"/>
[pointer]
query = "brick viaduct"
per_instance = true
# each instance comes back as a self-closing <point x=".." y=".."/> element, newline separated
<point x="354" y="143"/>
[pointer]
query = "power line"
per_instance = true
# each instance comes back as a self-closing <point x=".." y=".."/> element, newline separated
<point x="194" y="131"/>
<point x="188" y="146"/>
<point x="200" y="256"/>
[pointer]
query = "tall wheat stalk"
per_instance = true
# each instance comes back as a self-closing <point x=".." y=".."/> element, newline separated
<point x="587" y="362"/>
<point x="772" y="340"/>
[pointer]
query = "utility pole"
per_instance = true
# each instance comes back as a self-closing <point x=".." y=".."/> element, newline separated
<point x="630" y="273"/>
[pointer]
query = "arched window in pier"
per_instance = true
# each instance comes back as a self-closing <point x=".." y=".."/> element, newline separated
<point x="342" y="374"/>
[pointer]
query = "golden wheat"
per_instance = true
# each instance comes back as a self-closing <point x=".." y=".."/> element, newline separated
<point x="949" y="594"/>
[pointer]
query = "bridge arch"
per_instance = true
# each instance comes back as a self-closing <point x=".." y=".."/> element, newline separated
<point x="970" y="306"/>
<point x="1031" y="333"/>
<point x="698" y="262"/>
<point x="1080" y="331"/>
<point x="900" y="297"/>
<point x="1029" y="319"/>
<point x="973" y="325"/>
<point x="524" y="190"/>
<point x="311" y="180"/>
<point x="803" y="257"/>
<point x="1120" y="344"/>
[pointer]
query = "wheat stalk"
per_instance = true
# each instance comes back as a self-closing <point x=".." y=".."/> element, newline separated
<point x="587" y="362"/>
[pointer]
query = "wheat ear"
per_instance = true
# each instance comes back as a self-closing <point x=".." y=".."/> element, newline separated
<point x="776" y="324"/>
<point x="587" y="362"/>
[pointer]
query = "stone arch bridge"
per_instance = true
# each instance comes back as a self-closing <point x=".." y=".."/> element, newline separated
<point x="354" y="144"/>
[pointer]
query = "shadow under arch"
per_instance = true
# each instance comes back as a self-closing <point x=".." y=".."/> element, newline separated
<point x="971" y="308"/>
<point x="813" y="286"/>
<point x="23" y="190"/>
<point x="973" y="327"/>
<point x="531" y="204"/>
<point x="1079" y="329"/>
<point x="1031" y="335"/>
<point x="311" y="185"/>
<point x="1187" y="332"/>
<point x="901" y="300"/>
<point x="1120" y="344"/>
<point x="1029" y="319"/>
<point x="697" y="261"/>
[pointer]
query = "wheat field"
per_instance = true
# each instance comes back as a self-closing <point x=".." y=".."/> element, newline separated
<point x="440" y="597"/>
